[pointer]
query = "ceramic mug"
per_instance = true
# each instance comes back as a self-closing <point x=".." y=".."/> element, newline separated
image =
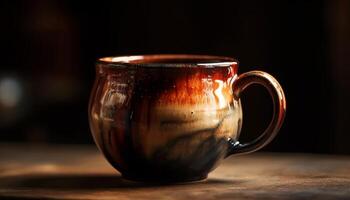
<point x="173" y="118"/>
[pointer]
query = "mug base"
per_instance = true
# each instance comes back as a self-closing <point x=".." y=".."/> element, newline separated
<point x="162" y="180"/>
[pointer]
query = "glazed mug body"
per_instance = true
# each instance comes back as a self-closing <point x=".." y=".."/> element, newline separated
<point x="168" y="118"/>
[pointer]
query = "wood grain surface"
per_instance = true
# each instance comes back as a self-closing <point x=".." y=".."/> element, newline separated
<point x="80" y="172"/>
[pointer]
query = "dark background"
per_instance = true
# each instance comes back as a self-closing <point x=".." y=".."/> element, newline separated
<point x="48" y="50"/>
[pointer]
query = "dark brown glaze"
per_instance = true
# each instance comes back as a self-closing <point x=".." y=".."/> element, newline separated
<point x="164" y="122"/>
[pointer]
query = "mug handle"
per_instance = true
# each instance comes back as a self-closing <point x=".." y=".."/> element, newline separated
<point x="279" y="110"/>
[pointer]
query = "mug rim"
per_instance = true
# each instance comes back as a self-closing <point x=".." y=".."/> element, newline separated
<point x="160" y="60"/>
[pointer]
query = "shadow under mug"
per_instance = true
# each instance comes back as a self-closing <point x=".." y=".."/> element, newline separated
<point x="173" y="118"/>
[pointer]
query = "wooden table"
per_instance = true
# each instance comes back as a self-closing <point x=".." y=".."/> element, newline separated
<point x="80" y="172"/>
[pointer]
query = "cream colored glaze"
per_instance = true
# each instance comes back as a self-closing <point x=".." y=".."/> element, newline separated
<point x="169" y="122"/>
